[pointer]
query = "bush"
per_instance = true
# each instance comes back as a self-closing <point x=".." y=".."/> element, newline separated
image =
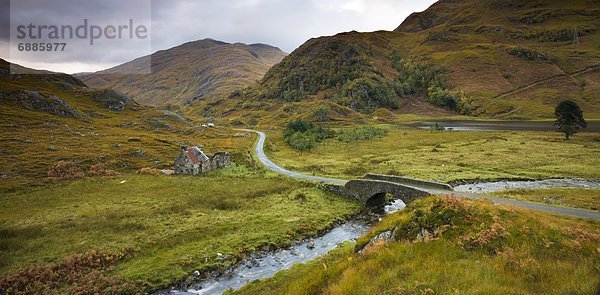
<point x="361" y="133"/>
<point x="101" y="169"/>
<point x="437" y="127"/>
<point x="528" y="54"/>
<point x="415" y="76"/>
<point x="304" y="135"/>
<point x="64" y="170"/>
<point x="301" y="141"/>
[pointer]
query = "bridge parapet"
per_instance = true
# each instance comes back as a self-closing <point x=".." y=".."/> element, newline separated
<point x="409" y="181"/>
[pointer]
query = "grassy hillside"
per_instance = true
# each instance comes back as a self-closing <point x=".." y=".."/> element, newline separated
<point x="449" y="245"/>
<point x="491" y="58"/>
<point x="51" y="118"/>
<point x="199" y="70"/>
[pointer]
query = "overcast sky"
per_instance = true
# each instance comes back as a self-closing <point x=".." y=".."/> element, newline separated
<point x="282" y="23"/>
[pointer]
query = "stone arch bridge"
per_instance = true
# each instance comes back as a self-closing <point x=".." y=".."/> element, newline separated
<point x="372" y="189"/>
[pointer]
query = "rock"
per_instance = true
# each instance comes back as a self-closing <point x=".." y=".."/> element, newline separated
<point x="196" y="273"/>
<point x="139" y="153"/>
<point x="310" y="245"/>
<point x="158" y="123"/>
<point x="118" y="145"/>
<point x="424" y="236"/>
<point x="219" y="254"/>
<point x="169" y="115"/>
<point x="112" y="100"/>
<point x="35" y="101"/>
<point x="384" y="237"/>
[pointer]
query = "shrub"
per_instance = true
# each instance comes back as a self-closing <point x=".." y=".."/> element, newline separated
<point x="437" y="127"/>
<point x="528" y="54"/>
<point x="361" y="133"/>
<point x="304" y="135"/>
<point x="301" y="141"/>
<point x="415" y="76"/>
<point x="65" y="170"/>
<point x="101" y="169"/>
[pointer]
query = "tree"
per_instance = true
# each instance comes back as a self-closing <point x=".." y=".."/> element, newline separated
<point x="569" y="118"/>
<point x="301" y="141"/>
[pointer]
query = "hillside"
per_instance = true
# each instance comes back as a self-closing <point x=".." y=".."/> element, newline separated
<point x="190" y="72"/>
<point x="50" y="117"/>
<point x="490" y="58"/>
<point x="447" y="245"/>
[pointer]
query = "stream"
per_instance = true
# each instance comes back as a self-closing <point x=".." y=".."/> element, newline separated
<point x="490" y="187"/>
<point x="266" y="266"/>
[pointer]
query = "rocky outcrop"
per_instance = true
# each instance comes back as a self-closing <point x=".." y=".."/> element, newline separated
<point x="33" y="100"/>
<point x="381" y="238"/>
<point x="112" y="100"/>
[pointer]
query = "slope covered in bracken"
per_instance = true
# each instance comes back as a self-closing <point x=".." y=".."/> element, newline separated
<point x="190" y="72"/>
<point x="491" y="58"/>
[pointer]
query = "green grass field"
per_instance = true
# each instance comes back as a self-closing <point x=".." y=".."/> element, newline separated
<point x="170" y="226"/>
<point x="578" y="198"/>
<point x="472" y="247"/>
<point x="448" y="156"/>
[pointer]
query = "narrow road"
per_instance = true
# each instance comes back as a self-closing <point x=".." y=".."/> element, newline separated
<point x="582" y="213"/>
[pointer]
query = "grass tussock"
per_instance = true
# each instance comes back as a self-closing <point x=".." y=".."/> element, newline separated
<point x="446" y="245"/>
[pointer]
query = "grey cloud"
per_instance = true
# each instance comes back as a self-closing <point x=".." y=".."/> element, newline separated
<point x="282" y="23"/>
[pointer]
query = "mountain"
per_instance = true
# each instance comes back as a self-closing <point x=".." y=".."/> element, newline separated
<point x="190" y="72"/>
<point x="493" y="58"/>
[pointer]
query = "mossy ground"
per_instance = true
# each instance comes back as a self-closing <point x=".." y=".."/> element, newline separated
<point x="474" y="248"/>
<point x="174" y="225"/>
<point x="448" y="156"/>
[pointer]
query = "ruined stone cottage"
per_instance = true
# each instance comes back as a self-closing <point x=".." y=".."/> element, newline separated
<point x="193" y="161"/>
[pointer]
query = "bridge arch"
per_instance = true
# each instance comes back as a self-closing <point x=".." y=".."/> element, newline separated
<point x="373" y="192"/>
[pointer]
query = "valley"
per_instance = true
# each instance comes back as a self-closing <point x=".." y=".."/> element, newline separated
<point x="456" y="153"/>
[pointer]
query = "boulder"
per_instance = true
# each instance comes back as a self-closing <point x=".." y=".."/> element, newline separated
<point x="36" y="101"/>
<point x="112" y="100"/>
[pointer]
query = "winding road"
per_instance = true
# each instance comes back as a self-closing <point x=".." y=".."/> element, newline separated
<point x="582" y="213"/>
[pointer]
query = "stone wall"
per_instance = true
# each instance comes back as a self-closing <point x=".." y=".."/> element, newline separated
<point x="409" y="181"/>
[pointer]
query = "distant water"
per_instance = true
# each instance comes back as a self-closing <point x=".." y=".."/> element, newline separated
<point x="593" y="126"/>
